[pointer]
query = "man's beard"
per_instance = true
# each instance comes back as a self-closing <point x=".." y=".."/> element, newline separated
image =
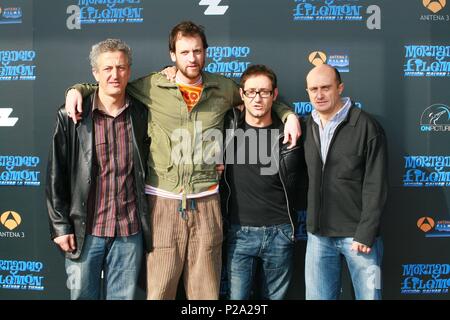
<point x="190" y="74"/>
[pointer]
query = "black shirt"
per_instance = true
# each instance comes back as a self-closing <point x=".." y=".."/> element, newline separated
<point x="256" y="199"/>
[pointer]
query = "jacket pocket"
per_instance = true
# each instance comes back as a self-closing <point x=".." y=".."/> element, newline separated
<point x="160" y="157"/>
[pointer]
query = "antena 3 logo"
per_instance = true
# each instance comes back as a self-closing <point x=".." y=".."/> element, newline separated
<point x="17" y="65"/>
<point x="337" y="10"/>
<point x="434" y="230"/>
<point x="339" y="60"/>
<point x="434" y="6"/>
<point x="426" y="171"/>
<point x="427" y="61"/>
<point x="435" y="118"/>
<point x="102" y="11"/>
<point x="11" y="220"/>
<point x="317" y="58"/>
<point x="228" y="61"/>
<point x="425" y="224"/>
<point x="214" y="7"/>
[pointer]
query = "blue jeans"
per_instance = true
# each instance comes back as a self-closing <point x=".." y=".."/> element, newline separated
<point x="119" y="258"/>
<point x="273" y="247"/>
<point x="323" y="265"/>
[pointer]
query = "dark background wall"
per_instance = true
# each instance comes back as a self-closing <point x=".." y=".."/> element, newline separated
<point x="43" y="51"/>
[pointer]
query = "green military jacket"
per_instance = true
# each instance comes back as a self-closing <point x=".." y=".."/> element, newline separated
<point x="185" y="145"/>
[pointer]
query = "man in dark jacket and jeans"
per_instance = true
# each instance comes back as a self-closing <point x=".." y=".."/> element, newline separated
<point x="97" y="208"/>
<point x="345" y="151"/>
<point x="262" y="191"/>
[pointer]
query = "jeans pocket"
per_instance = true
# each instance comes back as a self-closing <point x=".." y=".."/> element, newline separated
<point x="285" y="232"/>
<point x="237" y="232"/>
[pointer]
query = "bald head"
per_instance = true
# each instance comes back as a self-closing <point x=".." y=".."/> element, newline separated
<point x="325" y="69"/>
<point x="324" y="87"/>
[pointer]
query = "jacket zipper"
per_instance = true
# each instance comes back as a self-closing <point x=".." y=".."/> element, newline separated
<point x="325" y="163"/>
<point x="225" y="164"/>
<point x="285" y="193"/>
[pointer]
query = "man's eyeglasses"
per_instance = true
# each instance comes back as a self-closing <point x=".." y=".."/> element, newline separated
<point x="263" y="93"/>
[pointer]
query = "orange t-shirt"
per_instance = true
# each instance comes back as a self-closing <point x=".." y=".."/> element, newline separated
<point x="191" y="94"/>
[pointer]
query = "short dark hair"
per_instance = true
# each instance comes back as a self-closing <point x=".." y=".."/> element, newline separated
<point x="256" y="70"/>
<point x="186" y="29"/>
<point x="337" y="75"/>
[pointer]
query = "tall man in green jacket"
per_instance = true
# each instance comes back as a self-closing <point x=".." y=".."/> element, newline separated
<point x="185" y="121"/>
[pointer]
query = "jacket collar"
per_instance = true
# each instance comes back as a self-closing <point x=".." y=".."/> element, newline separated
<point x="352" y="116"/>
<point x="351" y="119"/>
<point x="85" y="129"/>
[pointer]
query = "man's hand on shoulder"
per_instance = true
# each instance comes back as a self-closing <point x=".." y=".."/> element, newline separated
<point x="170" y="73"/>
<point x="292" y="131"/>
<point x="74" y="108"/>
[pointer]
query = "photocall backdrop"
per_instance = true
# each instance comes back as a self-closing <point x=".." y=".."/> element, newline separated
<point x="395" y="62"/>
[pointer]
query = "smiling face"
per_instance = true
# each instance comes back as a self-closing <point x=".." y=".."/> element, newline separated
<point x="189" y="58"/>
<point x="112" y="73"/>
<point x="324" y="90"/>
<point x="257" y="108"/>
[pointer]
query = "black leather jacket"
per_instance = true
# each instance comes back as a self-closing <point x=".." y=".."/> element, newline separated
<point x="291" y="168"/>
<point x="71" y="174"/>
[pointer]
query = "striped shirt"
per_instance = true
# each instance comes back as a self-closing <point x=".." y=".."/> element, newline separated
<point x="327" y="132"/>
<point x="115" y="204"/>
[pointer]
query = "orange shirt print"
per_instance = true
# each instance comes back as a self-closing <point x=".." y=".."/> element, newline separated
<point x="191" y="94"/>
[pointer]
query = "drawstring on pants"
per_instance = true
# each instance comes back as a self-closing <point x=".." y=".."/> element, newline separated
<point x="182" y="207"/>
<point x="193" y="205"/>
<point x="182" y="211"/>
